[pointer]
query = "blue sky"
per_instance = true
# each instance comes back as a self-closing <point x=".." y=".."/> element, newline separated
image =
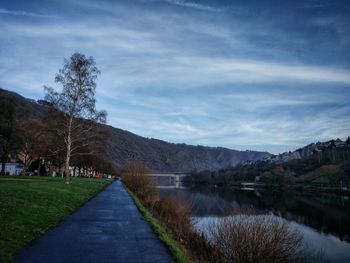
<point x="259" y="75"/>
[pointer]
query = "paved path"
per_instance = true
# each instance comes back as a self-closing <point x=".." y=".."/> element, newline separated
<point x="108" y="228"/>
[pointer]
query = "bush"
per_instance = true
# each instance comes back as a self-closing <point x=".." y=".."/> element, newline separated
<point x="136" y="178"/>
<point x="257" y="239"/>
<point x="175" y="213"/>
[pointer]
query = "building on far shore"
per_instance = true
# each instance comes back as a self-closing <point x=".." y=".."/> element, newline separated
<point x="13" y="168"/>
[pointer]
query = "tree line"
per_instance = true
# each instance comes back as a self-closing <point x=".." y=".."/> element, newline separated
<point x="69" y="134"/>
<point x="331" y="161"/>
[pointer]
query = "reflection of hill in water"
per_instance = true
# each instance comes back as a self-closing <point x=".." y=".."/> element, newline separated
<point x="202" y="204"/>
<point x="213" y="204"/>
<point x="326" y="213"/>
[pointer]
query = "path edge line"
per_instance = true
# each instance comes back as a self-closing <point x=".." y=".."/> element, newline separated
<point x="162" y="233"/>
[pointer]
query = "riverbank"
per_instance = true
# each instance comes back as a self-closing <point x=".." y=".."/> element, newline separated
<point x="178" y="251"/>
<point x="307" y="187"/>
<point x="321" y="217"/>
<point x="165" y="215"/>
<point x="31" y="205"/>
<point x="170" y="219"/>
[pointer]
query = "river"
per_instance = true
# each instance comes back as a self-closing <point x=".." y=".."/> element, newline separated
<point x="324" y="219"/>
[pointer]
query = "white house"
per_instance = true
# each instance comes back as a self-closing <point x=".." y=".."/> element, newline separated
<point x="13" y="168"/>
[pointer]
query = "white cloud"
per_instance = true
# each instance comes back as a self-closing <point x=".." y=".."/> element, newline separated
<point x="195" y="5"/>
<point x="23" y="13"/>
<point x="157" y="69"/>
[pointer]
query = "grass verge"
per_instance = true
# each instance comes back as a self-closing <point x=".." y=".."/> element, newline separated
<point x="175" y="248"/>
<point x="31" y="205"/>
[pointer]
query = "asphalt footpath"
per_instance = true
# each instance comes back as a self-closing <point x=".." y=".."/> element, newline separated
<point x="108" y="228"/>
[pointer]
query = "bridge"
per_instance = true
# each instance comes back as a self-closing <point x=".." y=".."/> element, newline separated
<point x="169" y="179"/>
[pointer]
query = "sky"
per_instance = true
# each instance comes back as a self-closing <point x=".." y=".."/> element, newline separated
<point x="248" y="75"/>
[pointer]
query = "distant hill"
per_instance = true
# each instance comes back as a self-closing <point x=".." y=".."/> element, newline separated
<point x="306" y="151"/>
<point x="158" y="155"/>
<point x="317" y="163"/>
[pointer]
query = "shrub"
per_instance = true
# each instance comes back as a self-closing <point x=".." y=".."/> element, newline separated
<point x="175" y="213"/>
<point x="257" y="239"/>
<point x="136" y="178"/>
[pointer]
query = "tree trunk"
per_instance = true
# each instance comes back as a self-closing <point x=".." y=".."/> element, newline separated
<point x="26" y="165"/>
<point x="68" y="154"/>
<point x="3" y="164"/>
<point x="66" y="166"/>
<point x="4" y="159"/>
<point x="39" y="167"/>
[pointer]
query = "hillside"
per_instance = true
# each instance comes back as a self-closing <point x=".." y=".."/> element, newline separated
<point x="321" y="162"/>
<point x="158" y="155"/>
<point x="306" y="151"/>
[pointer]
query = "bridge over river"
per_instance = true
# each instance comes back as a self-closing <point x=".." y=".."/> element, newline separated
<point x="169" y="180"/>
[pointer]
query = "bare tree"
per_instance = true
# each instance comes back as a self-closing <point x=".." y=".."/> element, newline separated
<point x="33" y="141"/>
<point x="76" y="115"/>
<point x="8" y="134"/>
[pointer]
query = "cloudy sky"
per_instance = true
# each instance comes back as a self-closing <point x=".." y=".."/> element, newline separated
<point x="261" y="75"/>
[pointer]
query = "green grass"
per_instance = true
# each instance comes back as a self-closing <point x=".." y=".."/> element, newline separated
<point x="175" y="248"/>
<point x="31" y="205"/>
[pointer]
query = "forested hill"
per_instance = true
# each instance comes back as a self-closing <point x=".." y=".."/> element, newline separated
<point x="158" y="155"/>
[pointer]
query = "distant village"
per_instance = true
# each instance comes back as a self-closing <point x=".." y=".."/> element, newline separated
<point x="311" y="149"/>
<point x="45" y="167"/>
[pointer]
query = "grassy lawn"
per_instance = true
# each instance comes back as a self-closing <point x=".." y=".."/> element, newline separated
<point x="31" y="205"/>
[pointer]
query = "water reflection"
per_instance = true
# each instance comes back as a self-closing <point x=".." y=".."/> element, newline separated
<point x="323" y="218"/>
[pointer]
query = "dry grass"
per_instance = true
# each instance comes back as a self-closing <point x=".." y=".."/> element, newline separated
<point x="178" y="251"/>
<point x="136" y="178"/>
<point x="175" y="213"/>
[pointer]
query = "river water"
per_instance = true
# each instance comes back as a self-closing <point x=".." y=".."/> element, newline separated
<point x="324" y="219"/>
